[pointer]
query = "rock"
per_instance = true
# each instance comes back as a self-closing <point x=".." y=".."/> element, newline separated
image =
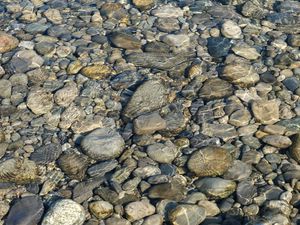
<point x="138" y="210"/>
<point x="277" y="141"/>
<point x="19" y="171"/>
<point x="5" y="88"/>
<point x="84" y="190"/>
<point x="167" y="25"/>
<point x="274" y="129"/>
<point x="101" y="209"/>
<point x="40" y="101"/>
<point x="162" y="153"/>
<point x="295" y="148"/>
<point x="25" y="60"/>
<point x="294" y="40"/>
<point x="187" y="215"/>
<point x="176" y="40"/>
<point x="65" y="96"/>
<point x="64" y="212"/>
<point x="211" y="208"/>
<point x="96" y="72"/>
<point x="53" y="15"/>
<point x="148" y="97"/>
<point x="291" y="83"/>
<point x="100" y="169"/>
<point x="215" y="88"/>
<point x="292" y="125"/>
<point x="246" y="51"/>
<point x="231" y="30"/>
<point x="216" y="188"/>
<point x="46" y="153"/>
<point x="245" y="192"/>
<point x="7" y="42"/>
<point x="240" y="118"/>
<point x="266" y="111"/>
<point x="241" y="74"/>
<point x="224" y="131"/>
<point x="116" y="221"/>
<point x="167" y="11"/>
<point x="253" y="10"/>
<point x="143" y="4"/>
<point x="155" y="219"/>
<point x="103" y="144"/>
<point x="210" y="161"/>
<point x="159" y="60"/>
<point x="149" y="123"/>
<point x="44" y="48"/>
<point x="218" y="46"/>
<point x="25" y="211"/>
<point x="238" y="171"/>
<point x="74" y="67"/>
<point x="124" y="40"/>
<point x="4" y="208"/>
<point x="113" y="10"/>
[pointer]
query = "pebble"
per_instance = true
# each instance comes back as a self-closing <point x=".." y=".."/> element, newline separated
<point x="210" y="161"/>
<point x="245" y="192"/>
<point x="238" y="171"/>
<point x="143" y="4"/>
<point x="162" y="153"/>
<point x="277" y="141"/>
<point x="218" y="46"/>
<point x="187" y="215"/>
<point x="211" y="208"/>
<point x="5" y="88"/>
<point x="295" y="148"/>
<point x="231" y="30"/>
<point x="64" y="212"/>
<point x="176" y="40"/>
<point x="149" y="123"/>
<point x="167" y="11"/>
<point x="103" y="144"/>
<point x="124" y="40"/>
<point x="266" y="111"/>
<point x="65" y="96"/>
<point x="25" y="60"/>
<point x="246" y="52"/>
<point x="40" y="101"/>
<point x="138" y="210"/>
<point x="96" y="72"/>
<point x="101" y="209"/>
<point x="7" y="42"/>
<point x="215" y="88"/>
<point x="54" y="16"/>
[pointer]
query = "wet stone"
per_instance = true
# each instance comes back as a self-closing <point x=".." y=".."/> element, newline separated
<point x="187" y="215"/>
<point x="245" y="192"/>
<point x="238" y="171"/>
<point x="100" y="169"/>
<point x="148" y="124"/>
<point x="295" y="148"/>
<point x="138" y="210"/>
<point x="124" y="40"/>
<point x="223" y="131"/>
<point x="143" y="4"/>
<point x="40" y="101"/>
<point x="162" y="153"/>
<point x="266" y="111"/>
<point x="218" y="47"/>
<point x="101" y="209"/>
<point x="46" y="153"/>
<point x="277" y="141"/>
<point x="167" y="11"/>
<point x="231" y="30"/>
<point x="5" y="88"/>
<point x="215" y="88"/>
<point x="96" y="71"/>
<point x="7" y="42"/>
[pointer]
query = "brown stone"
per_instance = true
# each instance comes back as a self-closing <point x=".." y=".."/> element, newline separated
<point x="7" y="42"/>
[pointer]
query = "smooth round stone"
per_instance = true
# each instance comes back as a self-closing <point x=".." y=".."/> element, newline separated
<point x="96" y="72"/>
<point x="294" y="40"/>
<point x="143" y="4"/>
<point x="148" y="124"/>
<point x="266" y="111"/>
<point x="162" y="153"/>
<point x="166" y="11"/>
<point x="245" y="192"/>
<point x="218" y="46"/>
<point x="26" y="211"/>
<point x="103" y="144"/>
<point x="295" y="148"/>
<point x="211" y="208"/>
<point x="231" y="30"/>
<point x="40" y="101"/>
<point x="215" y="88"/>
<point x="44" y="48"/>
<point x="26" y="60"/>
<point x="138" y="210"/>
<point x="7" y="42"/>
<point x="101" y="209"/>
<point x="238" y="171"/>
<point x="210" y="161"/>
<point x="125" y="40"/>
<point x="216" y="188"/>
<point x="240" y="118"/>
<point x="155" y="219"/>
<point x="187" y="215"/>
<point x="176" y="40"/>
<point x="116" y="221"/>
<point x="64" y="212"/>
<point x="5" y="88"/>
<point x="246" y="52"/>
<point x="277" y="141"/>
<point x="65" y="96"/>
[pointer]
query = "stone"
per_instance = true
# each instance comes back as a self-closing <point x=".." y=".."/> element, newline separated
<point x="210" y="161"/>
<point x="187" y="215"/>
<point x="138" y="210"/>
<point x="240" y="74"/>
<point x="162" y="153"/>
<point x="44" y="48"/>
<point x="7" y="42"/>
<point x="125" y="40"/>
<point x="239" y="118"/>
<point x="245" y="192"/>
<point x="46" y="153"/>
<point x="167" y="25"/>
<point x="215" y="88"/>
<point x="224" y="131"/>
<point x="5" y="88"/>
<point x="65" y="96"/>
<point x="149" y="96"/>
<point x="116" y="221"/>
<point x="266" y="111"/>
<point x="143" y="4"/>
<point x="216" y="188"/>
<point x="211" y="208"/>
<point x="277" y="141"/>
<point x="4" y="208"/>
<point x="25" y="211"/>
<point x="294" y="40"/>
<point x="39" y="101"/>
<point x="54" y="16"/>
<point x="149" y="124"/>
<point x="96" y="72"/>
<point x="155" y="219"/>
<point x="231" y="30"/>
<point x="74" y="67"/>
<point x="64" y="212"/>
<point x="25" y="60"/>
<point x="103" y="144"/>
<point x="101" y="209"/>
<point x="176" y="40"/>
<point x="246" y="51"/>
<point x="167" y="11"/>
<point x="218" y="46"/>
<point x="238" y="171"/>
<point x="100" y="169"/>
<point x="253" y="10"/>
<point x="295" y="148"/>
<point x="113" y="10"/>
<point x="291" y="83"/>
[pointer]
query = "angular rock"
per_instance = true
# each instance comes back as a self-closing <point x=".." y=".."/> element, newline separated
<point x="224" y="131"/>
<point x="149" y="123"/>
<point x="40" y="101"/>
<point x="210" y="161"/>
<point x="138" y="210"/>
<point x="266" y="111"/>
<point x="187" y="215"/>
<point x="54" y="16"/>
<point x="246" y="52"/>
<point x="63" y="97"/>
<point x="241" y="74"/>
<point x="7" y="42"/>
<point x="150" y="96"/>
<point x="124" y="40"/>
<point x="103" y="144"/>
<point x="46" y="153"/>
<point x="64" y="212"/>
<point x="25" y="211"/>
<point x="162" y="153"/>
<point x="277" y="141"/>
<point x="25" y="60"/>
<point x="215" y="88"/>
<point x="216" y="188"/>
